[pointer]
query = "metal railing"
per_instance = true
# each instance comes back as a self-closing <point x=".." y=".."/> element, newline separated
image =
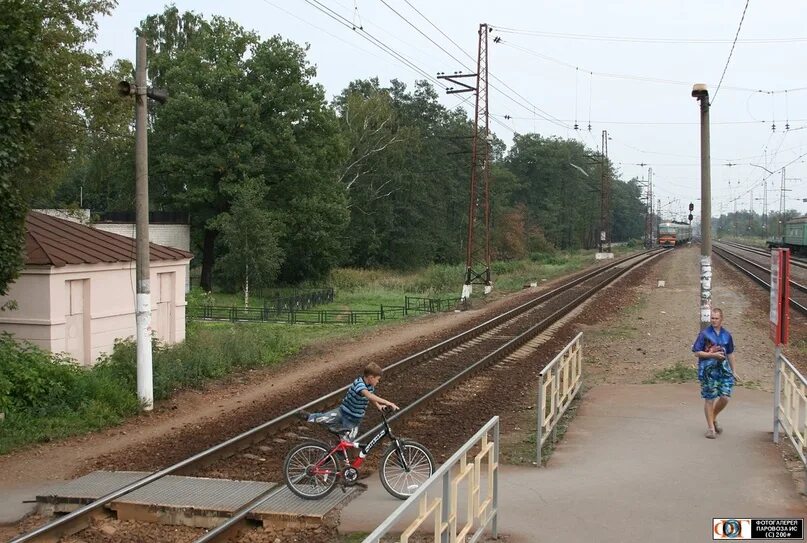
<point x="432" y="305"/>
<point x="558" y="384"/>
<point x="303" y="316"/>
<point x="452" y="515"/>
<point x="790" y="405"/>
<point x="296" y="310"/>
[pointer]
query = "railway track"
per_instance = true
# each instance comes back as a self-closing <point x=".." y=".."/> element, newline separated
<point x="762" y="275"/>
<point x="796" y="262"/>
<point x="438" y="368"/>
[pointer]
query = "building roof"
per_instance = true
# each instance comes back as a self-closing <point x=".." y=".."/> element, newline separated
<point x="51" y="241"/>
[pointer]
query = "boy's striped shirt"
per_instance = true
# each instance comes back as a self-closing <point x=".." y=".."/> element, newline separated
<point x="354" y="405"/>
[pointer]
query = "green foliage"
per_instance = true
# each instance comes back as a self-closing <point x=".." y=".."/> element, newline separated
<point x="240" y="109"/>
<point x="12" y="231"/>
<point x="47" y="396"/>
<point x="44" y="73"/>
<point x="250" y="234"/>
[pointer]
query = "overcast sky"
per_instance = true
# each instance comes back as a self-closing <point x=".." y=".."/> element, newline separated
<point x="568" y="62"/>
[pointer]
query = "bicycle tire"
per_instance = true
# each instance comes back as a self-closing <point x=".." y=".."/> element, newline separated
<point x="298" y="459"/>
<point x="395" y="479"/>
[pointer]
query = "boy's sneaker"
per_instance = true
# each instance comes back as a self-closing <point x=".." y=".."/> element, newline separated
<point x="303" y="415"/>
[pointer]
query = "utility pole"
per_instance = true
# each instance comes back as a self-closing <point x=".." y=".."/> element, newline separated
<point x="765" y="208"/>
<point x="141" y="92"/>
<point x="782" y="191"/>
<point x="649" y="207"/>
<point x="477" y="260"/>
<point x="751" y="214"/>
<point x="605" y="198"/>
<point x="700" y="93"/>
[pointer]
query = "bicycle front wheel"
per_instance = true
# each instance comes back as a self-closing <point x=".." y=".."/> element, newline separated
<point x="405" y="467"/>
<point x="310" y="471"/>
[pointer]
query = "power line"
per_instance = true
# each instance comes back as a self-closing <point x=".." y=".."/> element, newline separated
<point x="532" y="108"/>
<point x="419" y="31"/>
<point x="742" y="18"/>
<point x="641" y="39"/>
<point x="372" y="39"/>
<point x="611" y="75"/>
<point x="665" y="123"/>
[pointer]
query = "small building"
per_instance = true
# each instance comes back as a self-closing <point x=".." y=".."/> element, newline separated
<point x="76" y="293"/>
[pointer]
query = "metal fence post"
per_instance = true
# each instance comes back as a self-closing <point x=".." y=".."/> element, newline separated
<point x="777" y="391"/>
<point x="539" y="411"/>
<point x="495" y="521"/>
<point x="556" y="399"/>
<point x="445" y="508"/>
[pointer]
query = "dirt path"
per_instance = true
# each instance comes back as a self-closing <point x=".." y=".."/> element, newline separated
<point x="656" y="330"/>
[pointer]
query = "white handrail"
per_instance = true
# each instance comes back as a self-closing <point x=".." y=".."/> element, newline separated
<point x="790" y="405"/>
<point x="558" y="384"/>
<point x="442" y="505"/>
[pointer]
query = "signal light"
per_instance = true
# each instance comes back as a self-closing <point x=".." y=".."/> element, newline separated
<point x="691" y="207"/>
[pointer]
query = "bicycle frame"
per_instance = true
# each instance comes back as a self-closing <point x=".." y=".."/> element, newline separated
<point x="343" y="446"/>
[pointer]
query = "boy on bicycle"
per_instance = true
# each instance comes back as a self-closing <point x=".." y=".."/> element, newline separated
<point x="353" y="407"/>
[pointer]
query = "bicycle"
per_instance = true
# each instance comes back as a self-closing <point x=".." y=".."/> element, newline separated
<point x="313" y="468"/>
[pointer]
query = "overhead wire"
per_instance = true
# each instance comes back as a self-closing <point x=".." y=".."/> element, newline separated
<point x="527" y="104"/>
<point x="372" y="39"/>
<point x="733" y="44"/>
<point x="641" y="39"/>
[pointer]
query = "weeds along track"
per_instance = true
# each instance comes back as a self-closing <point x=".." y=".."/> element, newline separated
<point x="761" y="274"/>
<point x="413" y="381"/>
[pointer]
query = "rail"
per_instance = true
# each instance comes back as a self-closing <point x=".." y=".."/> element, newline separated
<point x="790" y="406"/>
<point x="558" y="384"/>
<point x="451" y="514"/>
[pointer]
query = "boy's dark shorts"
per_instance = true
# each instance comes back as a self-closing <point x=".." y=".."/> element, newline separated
<point x="335" y="421"/>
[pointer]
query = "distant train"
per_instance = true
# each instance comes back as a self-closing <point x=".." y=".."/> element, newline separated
<point x="672" y="233"/>
<point x="795" y="236"/>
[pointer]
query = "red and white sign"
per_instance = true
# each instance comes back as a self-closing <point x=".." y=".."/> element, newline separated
<point x="780" y="295"/>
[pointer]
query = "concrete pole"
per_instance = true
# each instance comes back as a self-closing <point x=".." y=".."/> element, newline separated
<point x="702" y="95"/>
<point x="145" y="388"/>
<point x="781" y="207"/>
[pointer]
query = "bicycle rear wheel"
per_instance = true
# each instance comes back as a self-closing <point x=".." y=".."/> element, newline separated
<point x="299" y="470"/>
<point x="405" y="467"/>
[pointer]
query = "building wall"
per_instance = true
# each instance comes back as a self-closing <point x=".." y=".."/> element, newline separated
<point x="177" y="236"/>
<point x="46" y="315"/>
<point x="171" y="235"/>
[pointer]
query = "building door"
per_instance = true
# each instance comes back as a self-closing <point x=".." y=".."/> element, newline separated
<point x="165" y="307"/>
<point x="77" y="320"/>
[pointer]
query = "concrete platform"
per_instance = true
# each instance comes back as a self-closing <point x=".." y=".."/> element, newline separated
<point x="189" y="501"/>
<point x="634" y="466"/>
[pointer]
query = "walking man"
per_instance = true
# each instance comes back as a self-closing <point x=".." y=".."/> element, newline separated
<point x="714" y="348"/>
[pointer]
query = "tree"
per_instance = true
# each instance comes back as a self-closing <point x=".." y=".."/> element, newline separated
<point x="44" y="65"/>
<point x="240" y="109"/>
<point x="250" y="236"/>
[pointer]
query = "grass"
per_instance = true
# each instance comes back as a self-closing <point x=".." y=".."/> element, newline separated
<point x="678" y="373"/>
<point x="46" y="397"/>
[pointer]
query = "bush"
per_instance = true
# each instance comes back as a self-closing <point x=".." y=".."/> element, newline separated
<point x="46" y="396"/>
